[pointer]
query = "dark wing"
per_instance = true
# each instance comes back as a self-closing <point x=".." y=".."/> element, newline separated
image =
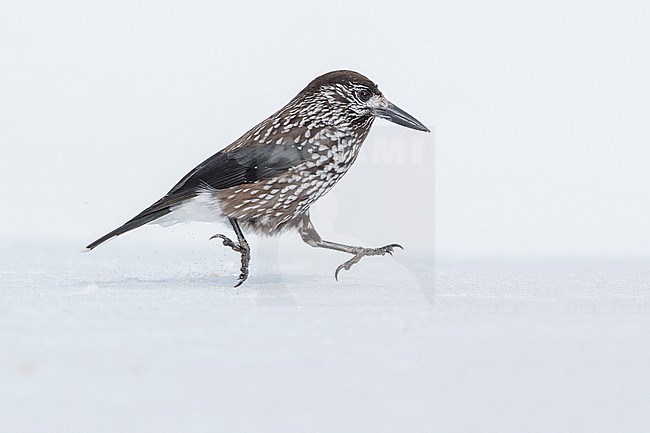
<point x="223" y="170"/>
<point x="241" y="166"/>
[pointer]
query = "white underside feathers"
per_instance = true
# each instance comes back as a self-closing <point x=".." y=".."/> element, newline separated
<point x="202" y="208"/>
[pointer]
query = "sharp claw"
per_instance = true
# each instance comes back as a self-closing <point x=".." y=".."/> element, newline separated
<point x="347" y="265"/>
<point x="390" y="248"/>
<point x="225" y="240"/>
<point x="336" y="274"/>
<point x="242" y="277"/>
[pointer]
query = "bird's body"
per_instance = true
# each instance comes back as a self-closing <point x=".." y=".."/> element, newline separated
<point x="272" y="203"/>
<point x="267" y="179"/>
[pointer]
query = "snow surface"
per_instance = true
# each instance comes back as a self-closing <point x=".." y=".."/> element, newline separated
<point x="154" y="338"/>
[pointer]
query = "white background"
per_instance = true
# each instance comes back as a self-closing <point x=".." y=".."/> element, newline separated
<point x="540" y="110"/>
<point x="534" y="317"/>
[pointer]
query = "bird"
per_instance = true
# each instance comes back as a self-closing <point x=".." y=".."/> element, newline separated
<point x="266" y="181"/>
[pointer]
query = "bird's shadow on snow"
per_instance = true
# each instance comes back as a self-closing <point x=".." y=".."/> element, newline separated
<point x="272" y="289"/>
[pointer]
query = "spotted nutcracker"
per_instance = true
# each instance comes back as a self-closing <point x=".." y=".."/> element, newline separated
<point x="266" y="181"/>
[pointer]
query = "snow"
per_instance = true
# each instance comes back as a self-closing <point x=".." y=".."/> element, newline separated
<point x="135" y="338"/>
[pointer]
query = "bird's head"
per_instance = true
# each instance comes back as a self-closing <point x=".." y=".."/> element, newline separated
<point x="344" y="94"/>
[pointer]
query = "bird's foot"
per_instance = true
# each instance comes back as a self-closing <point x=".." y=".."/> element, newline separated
<point x="228" y="242"/>
<point x="241" y="248"/>
<point x="363" y="252"/>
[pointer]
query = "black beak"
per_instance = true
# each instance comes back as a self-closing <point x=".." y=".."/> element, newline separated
<point x="394" y="114"/>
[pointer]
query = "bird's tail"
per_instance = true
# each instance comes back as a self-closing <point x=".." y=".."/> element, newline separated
<point x="160" y="208"/>
<point x="129" y="225"/>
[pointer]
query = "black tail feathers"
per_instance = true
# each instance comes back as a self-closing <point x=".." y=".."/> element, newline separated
<point x="133" y="223"/>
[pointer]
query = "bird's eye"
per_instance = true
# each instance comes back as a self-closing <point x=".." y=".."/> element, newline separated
<point x="364" y="95"/>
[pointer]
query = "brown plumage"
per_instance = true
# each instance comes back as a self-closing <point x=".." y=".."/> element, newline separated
<point x="267" y="179"/>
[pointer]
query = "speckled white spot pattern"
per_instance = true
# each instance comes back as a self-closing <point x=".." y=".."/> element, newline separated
<point x="326" y="129"/>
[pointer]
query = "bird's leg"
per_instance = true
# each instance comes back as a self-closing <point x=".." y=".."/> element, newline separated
<point x="241" y="247"/>
<point x="311" y="237"/>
